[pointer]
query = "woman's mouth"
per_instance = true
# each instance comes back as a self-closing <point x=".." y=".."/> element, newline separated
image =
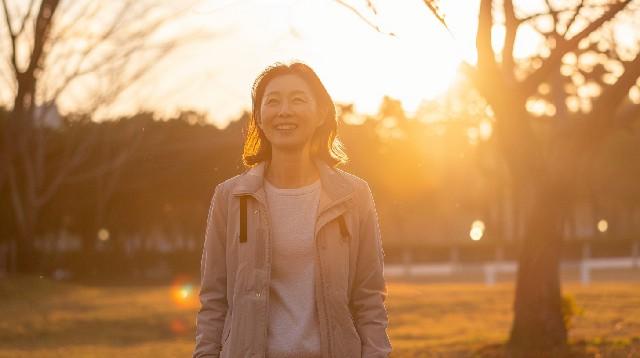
<point x="286" y="126"/>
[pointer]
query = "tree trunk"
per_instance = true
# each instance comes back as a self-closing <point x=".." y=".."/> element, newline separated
<point x="541" y="188"/>
<point x="538" y="324"/>
<point x="26" y="213"/>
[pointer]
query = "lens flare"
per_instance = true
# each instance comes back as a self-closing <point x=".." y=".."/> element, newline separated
<point x="178" y="326"/>
<point x="183" y="293"/>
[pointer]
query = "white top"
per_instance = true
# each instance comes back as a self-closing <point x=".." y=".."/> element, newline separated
<point x="293" y="319"/>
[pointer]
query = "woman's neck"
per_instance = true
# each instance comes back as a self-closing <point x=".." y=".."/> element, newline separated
<point x="291" y="169"/>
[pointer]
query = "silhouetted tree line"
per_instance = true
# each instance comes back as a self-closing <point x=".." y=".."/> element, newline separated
<point x="432" y="174"/>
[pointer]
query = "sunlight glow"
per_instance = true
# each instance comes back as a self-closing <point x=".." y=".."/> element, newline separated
<point x="485" y="129"/>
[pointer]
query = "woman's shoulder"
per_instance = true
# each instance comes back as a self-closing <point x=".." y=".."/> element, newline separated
<point x="355" y="181"/>
<point x="361" y="190"/>
<point x="226" y="186"/>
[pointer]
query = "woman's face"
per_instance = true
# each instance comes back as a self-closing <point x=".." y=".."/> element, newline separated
<point x="288" y="113"/>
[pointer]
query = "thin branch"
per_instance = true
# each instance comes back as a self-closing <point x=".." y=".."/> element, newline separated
<point x="364" y="18"/>
<point x="118" y="87"/>
<point x="78" y="71"/>
<point x="613" y="96"/>
<point x="134" y="43"/>
<point x="80" y="154"/>
<point x="559" y="12"/>
<point x="26" y="17"/>
<point x="566" y="45"/>
<point x="83" y="13"/>
<point x="82" y="151"/>
<point x="437" y="13"/>
<point x="12" y="36"/>
<point x="554" y="15"/>
<point x="573" y="19"/>
<point x="117" y="163"/>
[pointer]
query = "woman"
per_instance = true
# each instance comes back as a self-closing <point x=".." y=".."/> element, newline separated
<point x="292" y="259"/>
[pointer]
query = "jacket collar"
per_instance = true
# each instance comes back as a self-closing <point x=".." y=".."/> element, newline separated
<point x="335" y="187"/>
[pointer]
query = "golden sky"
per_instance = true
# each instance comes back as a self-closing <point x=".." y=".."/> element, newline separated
<point x="358" y="64"/>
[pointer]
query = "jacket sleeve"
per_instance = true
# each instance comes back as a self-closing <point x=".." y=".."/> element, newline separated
<point x="213" y="275"/>
<point x="369" y="289"/>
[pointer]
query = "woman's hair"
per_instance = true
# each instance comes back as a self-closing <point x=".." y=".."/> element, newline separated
<point x="325" y="145"/>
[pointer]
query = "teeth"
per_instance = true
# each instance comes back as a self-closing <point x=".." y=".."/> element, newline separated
<point x="286" y="126"/>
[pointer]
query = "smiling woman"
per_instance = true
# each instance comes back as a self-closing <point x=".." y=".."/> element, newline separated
<point x="292" y="111"/>
<point x="288" y="113"/>
<point x="292" y="260"/>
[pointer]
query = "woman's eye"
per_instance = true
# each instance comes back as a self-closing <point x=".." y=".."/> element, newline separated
<point x="299" y="100"/>
<point x="272" y="101"/>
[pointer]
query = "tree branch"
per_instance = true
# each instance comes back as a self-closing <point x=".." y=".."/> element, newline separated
<point x="437" y="13"/>
<point x="364" y="18"/>
<point x="564" y="46"/>
<point x="613" y="96"/>
<point x="133" y="142"/>
<point x="487" y="69"/>
<point x="26" y="17"/>
<point x="12" y="37"/>
<point x="554" y="15"/>
<point x="42" y="28"/>
<point x="559" y="12"/>
<point x="573" y="18"/>
<point x="511" y="27"/>
<point x="79" y="155"/>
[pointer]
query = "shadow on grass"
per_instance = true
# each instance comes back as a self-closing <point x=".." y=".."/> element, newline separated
<point x="98" y="332"/>
<point x="579" y="349"/>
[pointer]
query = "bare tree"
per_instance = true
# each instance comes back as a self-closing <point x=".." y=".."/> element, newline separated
<point x="88" y="53"/>
<point x="546" y="167"/>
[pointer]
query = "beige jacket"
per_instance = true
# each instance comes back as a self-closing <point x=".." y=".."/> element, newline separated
<point x="350" y="288"/>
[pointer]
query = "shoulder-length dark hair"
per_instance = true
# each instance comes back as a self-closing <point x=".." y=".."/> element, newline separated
<point x="325" y="145"/>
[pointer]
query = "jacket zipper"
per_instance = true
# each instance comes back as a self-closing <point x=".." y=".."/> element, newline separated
<point x="322" y="277"/>
<point x="268" y="269"/>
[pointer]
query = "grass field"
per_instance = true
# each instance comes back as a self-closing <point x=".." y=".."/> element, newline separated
<point x="45" y="318"/>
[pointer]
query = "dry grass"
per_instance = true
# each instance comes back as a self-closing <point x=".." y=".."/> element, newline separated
<point x="43" y="318"/>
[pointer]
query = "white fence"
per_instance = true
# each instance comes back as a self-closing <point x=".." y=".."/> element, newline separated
<point x="489" y="271"/>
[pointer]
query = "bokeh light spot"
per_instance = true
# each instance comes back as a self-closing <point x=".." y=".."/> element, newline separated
<point x="477" y="230"/>
<point x="103" y="234"/>
<point x="603" y="225"/>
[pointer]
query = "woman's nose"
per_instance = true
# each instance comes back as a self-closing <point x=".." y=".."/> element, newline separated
<point x="285" y="110"/>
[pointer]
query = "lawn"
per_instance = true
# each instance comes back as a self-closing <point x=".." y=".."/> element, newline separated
<point x="45" y="318"/>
